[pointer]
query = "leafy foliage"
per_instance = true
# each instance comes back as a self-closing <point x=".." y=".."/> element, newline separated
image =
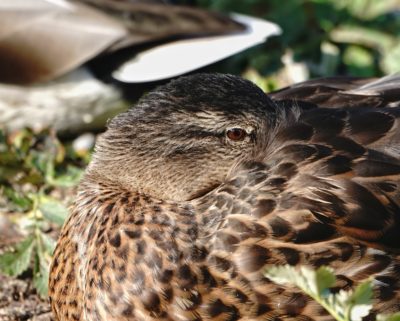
<point x="343" y="306"/>
<point x="33" y="167"/>
<point x="330" y="37"/>
<point x="16" y="262"/>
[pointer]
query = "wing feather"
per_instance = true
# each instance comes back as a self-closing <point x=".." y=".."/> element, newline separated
<point x="313" y="199"/>
<point x="337" y="92"/>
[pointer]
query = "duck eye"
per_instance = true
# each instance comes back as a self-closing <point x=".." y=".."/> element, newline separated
<point x="236" y="134"/>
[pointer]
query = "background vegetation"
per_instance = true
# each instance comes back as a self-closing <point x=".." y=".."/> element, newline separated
<point x="320" y="38"/>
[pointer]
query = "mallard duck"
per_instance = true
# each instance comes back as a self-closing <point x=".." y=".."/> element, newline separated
<point x="191" y="193"/>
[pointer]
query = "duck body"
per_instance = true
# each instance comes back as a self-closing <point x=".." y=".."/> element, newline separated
<point x="187" y="235"/>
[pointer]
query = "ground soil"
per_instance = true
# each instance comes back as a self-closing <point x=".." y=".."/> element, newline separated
<point x="19" y="300"/>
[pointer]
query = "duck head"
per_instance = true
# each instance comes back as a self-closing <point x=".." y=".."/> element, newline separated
<point x="182" y="139"/>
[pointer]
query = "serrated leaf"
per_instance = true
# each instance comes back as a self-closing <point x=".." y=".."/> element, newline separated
<point x="44" y="249"/>
<point x="325" y="278"/>
<point x="304" y="278"/>
<point x="48" y="243"/>
<point x="15" y="262"/>
<point x="308" y="282"/>
<point x="53" y="210"/>
<point x="361" y="301"/>
<point x="362" y="294"/>
<point x="337" y="303"/>
<point x="282" y="274"/>
<point x="41" y="274"/>
<point x="343" y="306"/>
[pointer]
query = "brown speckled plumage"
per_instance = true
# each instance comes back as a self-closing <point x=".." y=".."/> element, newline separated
<point x="175" y="221"/>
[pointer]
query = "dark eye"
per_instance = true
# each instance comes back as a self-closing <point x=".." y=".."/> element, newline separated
<point x="236" y="134"/>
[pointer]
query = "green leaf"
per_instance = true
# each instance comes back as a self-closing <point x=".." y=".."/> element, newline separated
<point x="325" y="278"/>
<point x="53" y="210"/>
<point x="49" y="243"/>
<point x="280" y="274"/>
<point x="343" y="306"/>
<point x="69" y="179"/>
<point x="362" y="294"/>
<point x="360" y="301"/>
<point x="314" y="283"/>
<point x="393" y="317"/>
<point x="306" y="280"/>
<point x="21" y="202"/>
<point x="41" y="274"/>
<point x="44" y="249"/>
<point x="15" y="262"/>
